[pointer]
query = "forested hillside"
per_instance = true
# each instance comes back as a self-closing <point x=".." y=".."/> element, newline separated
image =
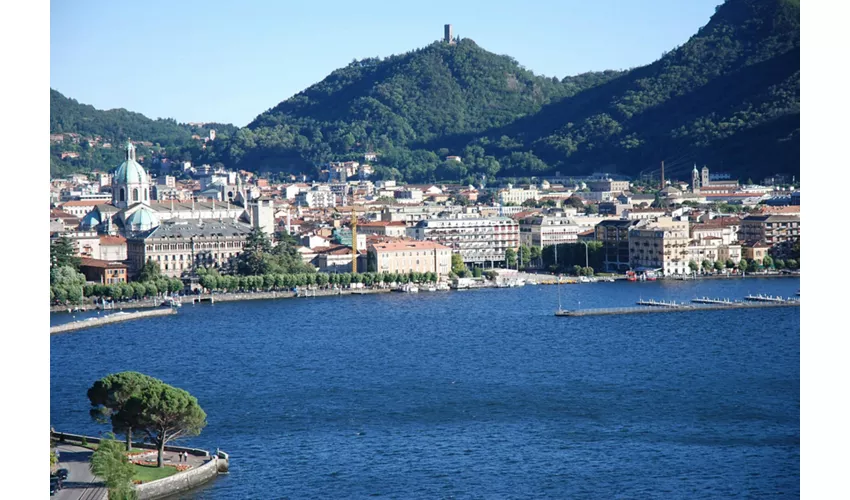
<point x="729" y="98"/>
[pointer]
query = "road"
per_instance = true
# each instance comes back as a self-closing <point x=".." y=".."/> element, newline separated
<point x="81" y="484"/>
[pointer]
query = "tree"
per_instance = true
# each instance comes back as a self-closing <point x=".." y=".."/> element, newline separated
<point x="491" y="275"/>
<point x="62" y="253"/>
<point x="150" y="272"/>
<point x="694" y="266"/>
<point x="707" y="265"/>
<point x="477" y="272"/>
<point x="166" y="413"/>
<point x="587" y="271"/>
<point x="510" y="257"/>
<point x="109" y="398"/>
<point x="524" y="255"/>
<point x="730" y="264"/>
<point x="253" y="259"/>
<point x="742" y="265"/>
<point x="457" y="264"/>
<point x="792" y="264"/>
<point x="535" y="253"/>
<point x="110" y="463"/>
<point x="767" y="261"/>
<point x="719" y="266"/>
<point x="779" y="264"/>
<point x="577" y="270"/>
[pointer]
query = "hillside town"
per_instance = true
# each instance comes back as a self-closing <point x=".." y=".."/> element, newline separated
<point x="119" y="221"/>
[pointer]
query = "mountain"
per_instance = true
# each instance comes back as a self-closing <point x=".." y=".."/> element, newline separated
<point x="729" y="97"/>
<point x="396" y="103"/>
<point x="114" y="127"/>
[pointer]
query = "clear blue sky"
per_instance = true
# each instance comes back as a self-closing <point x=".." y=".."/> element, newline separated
<point x="229" y="61"/>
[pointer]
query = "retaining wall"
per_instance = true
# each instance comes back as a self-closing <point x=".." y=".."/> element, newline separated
<point x="111" y="318"/>
<point x="182" y="481"/>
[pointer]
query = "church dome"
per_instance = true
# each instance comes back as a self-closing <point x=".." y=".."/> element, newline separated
<point x="142" y="220"/>
<point x="130" y="172"/>
<point x="91" y="220"/>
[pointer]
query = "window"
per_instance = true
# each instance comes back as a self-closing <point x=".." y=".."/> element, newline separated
<point x="121" y="194"/>
<point x="136" y="194"/>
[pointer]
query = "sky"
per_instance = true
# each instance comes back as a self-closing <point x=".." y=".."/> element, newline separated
<point x="227" y="62"/>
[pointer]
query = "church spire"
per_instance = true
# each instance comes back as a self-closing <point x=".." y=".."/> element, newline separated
<point x="131" y="151"/>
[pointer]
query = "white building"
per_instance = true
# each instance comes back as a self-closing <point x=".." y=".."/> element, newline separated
<point x="518" y="195"/>
<point x="477" y="240"/>
<point x="319" y="196"/>
<point x="544" y="230"/>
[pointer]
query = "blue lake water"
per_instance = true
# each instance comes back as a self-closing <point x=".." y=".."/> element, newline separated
<point x="472" y="394"/>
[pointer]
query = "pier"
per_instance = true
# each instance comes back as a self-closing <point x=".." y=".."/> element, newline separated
<point x="677" y="308"/>
<point x="111" y="318"/>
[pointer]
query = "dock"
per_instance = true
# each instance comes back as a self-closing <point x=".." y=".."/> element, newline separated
<point x="109" y="319"/>
<point x="677" y="308"/>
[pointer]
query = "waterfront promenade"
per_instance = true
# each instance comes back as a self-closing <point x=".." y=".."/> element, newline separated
<point x="108" y="319"/>
<point x="81" y="484"/>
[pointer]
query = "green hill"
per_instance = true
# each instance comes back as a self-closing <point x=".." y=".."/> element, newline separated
<point x="394" y="103"/>
<point x="729" y="97"/>
<point x="115" y="126"/>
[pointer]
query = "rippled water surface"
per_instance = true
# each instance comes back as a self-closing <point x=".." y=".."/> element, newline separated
<point x="472" y="394"/>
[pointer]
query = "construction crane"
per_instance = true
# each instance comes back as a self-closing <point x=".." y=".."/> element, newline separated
<point x="353" y="226"/>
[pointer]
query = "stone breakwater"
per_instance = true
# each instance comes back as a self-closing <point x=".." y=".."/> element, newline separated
<point x="111" y="318"/>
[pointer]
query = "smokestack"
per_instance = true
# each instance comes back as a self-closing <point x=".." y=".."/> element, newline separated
<point x="662" y="174"/>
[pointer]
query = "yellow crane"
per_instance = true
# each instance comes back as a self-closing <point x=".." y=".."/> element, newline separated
<point x="353" y="226"/>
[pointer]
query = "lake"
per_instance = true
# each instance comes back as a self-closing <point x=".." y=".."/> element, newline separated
<point x="472" y="394"/>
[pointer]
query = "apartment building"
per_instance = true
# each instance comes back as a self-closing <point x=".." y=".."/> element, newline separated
<point x="544" y="230"/>
<point x="477" y="240"/>
<point x="769" y="229"/>
<point x="660" y="245"/>
<point x="410" y="256"/>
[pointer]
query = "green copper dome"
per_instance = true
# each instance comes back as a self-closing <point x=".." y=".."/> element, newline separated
<point x="130" y="172"/>
<point x="142" y="220"/>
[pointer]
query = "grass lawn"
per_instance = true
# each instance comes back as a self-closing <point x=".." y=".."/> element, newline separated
<point x="145" y="473"/>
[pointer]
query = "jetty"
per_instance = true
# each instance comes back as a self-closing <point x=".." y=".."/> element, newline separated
<point x="765" y="298"/>
<point x="109" y="319"/>
<point x="706" y="300"/>
<point x="658" y="303"/>
<point x="677" y="308"/>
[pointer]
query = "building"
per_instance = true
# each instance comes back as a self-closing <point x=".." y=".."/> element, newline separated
<point x="381" y="228"/>
<point x="614" y="235"/>
<point x="544" y="230"/>
<point x="319" y="196"/>
<point x="179" y="246"/>
<point x="79" y="208"/>
<point x="337" y="259"/>
<point x="660" y="245"/>
<point x="769" y="229"/>
<point x="104" y="272"/>
<point x="477" y="240"/>
<point x="609" y="185"/>
<point x="130" y="182"/>
<point x="407" y="256"/>
<point x="517" y="196"/>
<point x="113" y="248"/>
<point x="755" y="251"/>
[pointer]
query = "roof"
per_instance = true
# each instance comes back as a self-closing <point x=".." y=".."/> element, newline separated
<point x="402" y="245"/>
<point x="772" y="218"/>
<point x="113" y="240"/>
<point x="82" y="203"/>
<point x="102" y="264"/>
<point x="381" y="224"/>
<point x="187" y="228"/>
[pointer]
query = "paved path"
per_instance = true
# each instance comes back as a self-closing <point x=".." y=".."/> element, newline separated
<point x="81" y="484"/>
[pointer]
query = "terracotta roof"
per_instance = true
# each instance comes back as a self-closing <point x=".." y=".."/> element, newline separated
<point x="113" y="240"/>
<point x="55" y="212"/>
<point x="103" y="264"/>
<point x="82" y="203"/>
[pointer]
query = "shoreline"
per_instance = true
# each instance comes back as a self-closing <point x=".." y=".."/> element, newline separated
<point x="240" y="296"/>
